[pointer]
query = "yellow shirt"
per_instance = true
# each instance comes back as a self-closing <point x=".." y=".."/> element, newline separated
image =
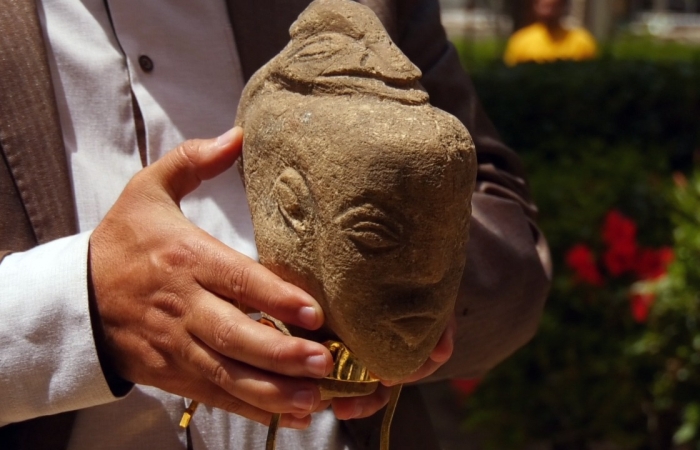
<point x="535" y="43"/>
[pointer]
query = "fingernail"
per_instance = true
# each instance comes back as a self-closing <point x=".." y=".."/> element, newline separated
<point x="308" y="317"/>
<point x="299" y="415"/>
<point x="357" y="412"/>
<point x="227" y="138"/>
<point x="303" y="400"/>
<point x="450" y="344"/>
<point x="298" y="424"/>
<point x="317" y="365"/>
<point x="440" y="355"/>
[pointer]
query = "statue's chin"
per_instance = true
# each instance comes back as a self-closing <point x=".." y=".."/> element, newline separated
<point x="390" y="352"/>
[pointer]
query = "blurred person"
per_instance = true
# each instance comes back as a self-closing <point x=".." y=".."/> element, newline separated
<point x="548" y="39"/>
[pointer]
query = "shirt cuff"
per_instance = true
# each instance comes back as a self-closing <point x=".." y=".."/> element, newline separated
<point x="49" y="360"/>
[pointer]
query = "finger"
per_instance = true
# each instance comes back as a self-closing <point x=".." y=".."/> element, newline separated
<point x="237" y="277"/>
<point x="231" y="333"/>
<point x="443" y="350"/>
<point x="427" y="369"/>
<point x="360" y="407"/>
<point x="324" y="405"/>
<point x="297" y="423"/>
<point x="212" y="395"/>
<point x="263" y="390"/>
<point x="183" y="169"/>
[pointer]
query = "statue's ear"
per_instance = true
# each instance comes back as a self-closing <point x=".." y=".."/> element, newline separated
<point x="293" y="200"/>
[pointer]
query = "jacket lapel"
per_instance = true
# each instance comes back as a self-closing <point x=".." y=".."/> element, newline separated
<point x="259" y="37"/>
<point x="386" y="11"/>
<point x="30" y="133"/>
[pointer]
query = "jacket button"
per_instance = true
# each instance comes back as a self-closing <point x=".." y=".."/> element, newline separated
<point x="146" y="63"/>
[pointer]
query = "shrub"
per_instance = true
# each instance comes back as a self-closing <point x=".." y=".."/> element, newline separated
<point x="578" y="382"/>
<point x="672" y="339"/>
<point x="546" y="108"/>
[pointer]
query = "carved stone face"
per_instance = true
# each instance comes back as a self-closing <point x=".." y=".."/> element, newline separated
<point x="392" y="229"/>
<point x="364" y="202"/>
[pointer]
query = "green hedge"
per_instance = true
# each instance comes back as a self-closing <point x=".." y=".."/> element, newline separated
<point x="484" y="53"/>
<point x="617" y="102"/>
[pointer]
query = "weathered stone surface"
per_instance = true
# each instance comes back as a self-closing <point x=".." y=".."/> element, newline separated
<point x="359" y="189"/>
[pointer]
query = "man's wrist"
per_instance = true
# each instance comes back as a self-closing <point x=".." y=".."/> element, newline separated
<point x="118" y="385"/>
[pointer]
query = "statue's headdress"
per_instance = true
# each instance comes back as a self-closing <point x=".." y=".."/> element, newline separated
<point x="340" y="47"/>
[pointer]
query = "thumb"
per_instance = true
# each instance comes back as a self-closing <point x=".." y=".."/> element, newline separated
<point x="184" y="168"/>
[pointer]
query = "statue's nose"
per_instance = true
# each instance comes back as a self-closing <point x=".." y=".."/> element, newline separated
<point x="419" y="269"/>
<point x="427" y="272"/>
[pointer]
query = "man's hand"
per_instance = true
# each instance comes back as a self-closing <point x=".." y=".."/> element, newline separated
<point x="359" y="407"/>
<point x="167" y="293"/>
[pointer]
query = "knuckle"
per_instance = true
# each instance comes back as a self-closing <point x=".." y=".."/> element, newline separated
<point x="170" y="303"/>
<point x="188" y="153"/>
<point x="277" y="356"/>
<point x="164" y="342"/>
<point x="267" y="397"/>
<point x="225" y="335"/>
<point x="156" y="362"/>
<point x="239" y="280"/>
<point x="233" y="405"/>
<point x="283" y="354"/>
<point x="177" y="255"/>
<point x="187" y="349"/>
<point x="158" y="333"/>
<point x="279" y="301"/>
<point x="278" y="396"/>
<point x="201" y="367"/>
<point x="220" y="376"/>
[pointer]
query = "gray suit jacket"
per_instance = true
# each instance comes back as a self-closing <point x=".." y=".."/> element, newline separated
<point x="507" y="275"/>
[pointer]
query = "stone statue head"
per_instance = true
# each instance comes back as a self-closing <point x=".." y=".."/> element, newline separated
<point x="359" y="189"/>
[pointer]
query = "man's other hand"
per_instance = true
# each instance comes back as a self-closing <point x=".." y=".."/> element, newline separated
<point x="359" y="407"/>
<point x="171" y="300"/>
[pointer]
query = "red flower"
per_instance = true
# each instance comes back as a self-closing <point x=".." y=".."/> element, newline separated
<point x="580" y="259"/>
<point x="619" y="229"/>
<point x="640" y="305"/>
<point x="465" y="386"/>
<point x="620" y="257"/>
<point x="620" y="233"/>
<point x="652" y="264"/>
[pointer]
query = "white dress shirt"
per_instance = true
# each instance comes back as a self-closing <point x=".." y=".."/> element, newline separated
<point x="179" y="59"/>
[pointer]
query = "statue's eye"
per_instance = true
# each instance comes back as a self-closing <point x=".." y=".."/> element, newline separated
<point x="373" y="235"/>
<point x="370" y="228"/>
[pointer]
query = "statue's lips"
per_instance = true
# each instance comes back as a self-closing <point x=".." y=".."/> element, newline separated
<point x="414" y="328"/>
